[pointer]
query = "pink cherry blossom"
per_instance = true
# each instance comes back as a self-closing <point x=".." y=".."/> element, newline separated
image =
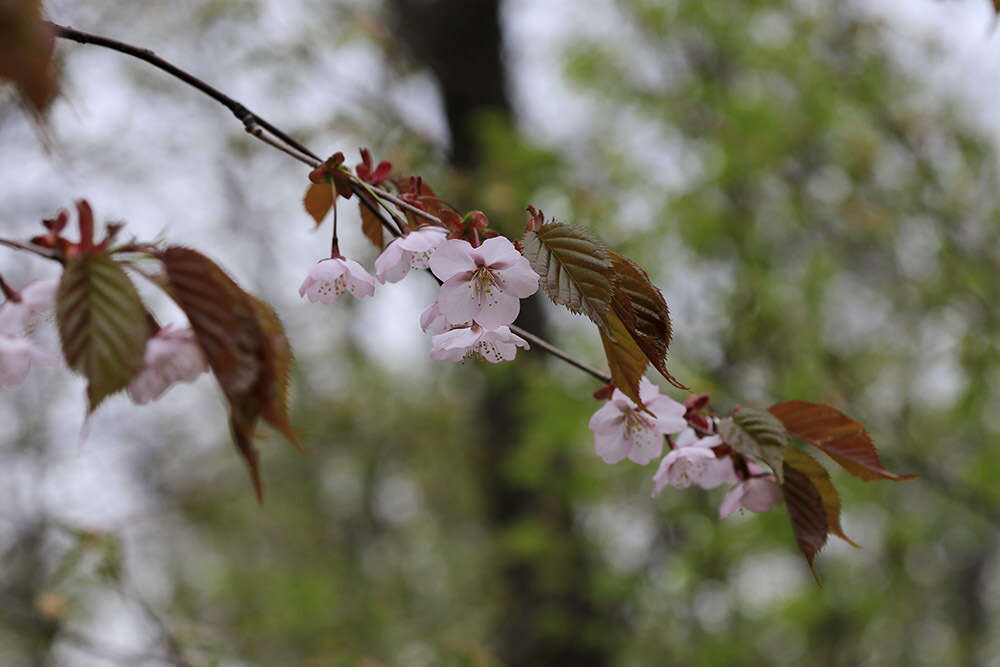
<point x="172" y="355"/>
<point x="34" y="299"/>
<point x="16" y="355"/>
<point x="432" y="321"/>
<point x="484" y="285"/>
<point x="493" y="345"/>
<point x="623" y="430"/>
<point x="329" y="278"/>
<point x="412" y="251"/>
<point x="757" y="494"/>
<point x="693" y="462"/>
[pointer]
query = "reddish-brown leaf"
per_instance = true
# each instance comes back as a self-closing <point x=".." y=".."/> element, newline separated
<point x="842" y="438"/>
<point x="371" y="226"/>
<point x="820" y="479"/>
<point x="243" y="342"/>
<point x="625" y="360"/>
<point x="318" y="201"/>
<point x="643" y="310"/>
<point x="26" y="46"/>
<point x="806" y="510"/>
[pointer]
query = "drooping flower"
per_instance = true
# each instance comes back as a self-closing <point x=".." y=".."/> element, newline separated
<point x="624" y="430"/>
<point x="16" y="355"/>
<point x="172" y="355"/>
<point x="758" y="493"/>
<point x="484" y="285"/>
<point x="21" y="307"/>
<point x="329" y="278"/>
<point x="432" y="321"/>
<point x="493" y="345"/>
<point x="693" y="462"/>
<point x="412" y="251"/>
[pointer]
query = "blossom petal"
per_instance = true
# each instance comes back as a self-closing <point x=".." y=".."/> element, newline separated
<point x="457" y="300"/>
<point x="393" y="264"/>
<point x="498" y="252"/>
<point x="454" y="345"/>
<point x="717" y="472"/>
<point x="612" y="447"/>
<point x="731" y="501"/>
<point x="761" y="494"/>
<point x="669" y="414"/>
<point x="432" y="321"/>
<point x="453" y="257"/>
<point x="519" y="278"/>
<point x="607" y="416"/>
<point x="647" y="444"/>
<point x="359" y="282"/>
<point x="501" y="311"/>
<point x="499" y="344"/>
<point x="422" y="240"/>
<point x="16" y="355"/>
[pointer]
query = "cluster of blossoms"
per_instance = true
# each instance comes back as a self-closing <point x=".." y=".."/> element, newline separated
<point x="171" y="355"/>
<point x="482" y="285"/>
<point x="623" y="430"/>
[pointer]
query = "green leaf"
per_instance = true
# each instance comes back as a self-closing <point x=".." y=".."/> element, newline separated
<point x="820" y="479"/>
<point x="575" y="269"/>
<point x="625" y="360"/>
<point x="102" y="324"/>
<point x="758" y="434"/>
<point x="243" y="342"/>
<point x="807" y="513"/>
<point x="643" y="310"/>
<point x="840" y="437"/>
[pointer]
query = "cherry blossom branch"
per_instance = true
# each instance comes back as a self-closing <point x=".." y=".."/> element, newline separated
<point x="556" y="352"/>
<point x="29" y="247"/>
<point x="256" y="126"/>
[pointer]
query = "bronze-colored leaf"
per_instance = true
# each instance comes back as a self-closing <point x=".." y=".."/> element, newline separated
<point x="102" y="324"/>
<point x="371" y="226"/>
<point x="26" y="47"/>
<point x="318" y="201"/>
<point x="575" y="269"/>
<point x="842" y="438"/>
<point x="625" y="360"/>
<point x="820" y="479"/>
<point x="643" y="310"/>
<point x="807" y="512"/>
<point x="243" y="342"/>
<point x="758" y="434"/>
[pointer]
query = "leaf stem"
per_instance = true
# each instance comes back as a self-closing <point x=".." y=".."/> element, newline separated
<point x="41" y="251"/>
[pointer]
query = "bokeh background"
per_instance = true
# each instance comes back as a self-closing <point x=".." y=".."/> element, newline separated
<point x="813" y="184"/>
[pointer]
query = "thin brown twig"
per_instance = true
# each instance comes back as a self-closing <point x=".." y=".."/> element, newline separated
<point x="253" y="124"/>
<point x="41" y="251"/>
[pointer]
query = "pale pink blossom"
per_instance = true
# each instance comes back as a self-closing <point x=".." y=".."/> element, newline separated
<point x="493" y="345"/>
<point x="757" y="494"/>
<point x="484" y="285"/>
<point x="16" y="355"/>
<point x="172" y="355"/>
<point x="623" y="430"/>
<point x="432" y="321"/>
<point x="34" y="299"/>
<point x="412" y="251"/>
<point x="329" y="278"/>
<point x="692" y="461"/>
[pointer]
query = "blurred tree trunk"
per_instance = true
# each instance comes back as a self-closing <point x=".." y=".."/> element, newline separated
<point x="547" y="616"/>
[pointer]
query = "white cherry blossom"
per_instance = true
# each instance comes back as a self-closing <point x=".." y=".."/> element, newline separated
<point x="16" y="355"/>
<point x="412" y="251"/>
<point x="329" y="278"/>
<point x="432" y="321"/>
<point x="484" y="285"/>
<point x="172" y="355"/>
<point x="693" y="462"/>
<point x="35" y="298"/>
<point x="757" y="494"/>
<point x="623" y="430"/>
<point x="493" y="345"/>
